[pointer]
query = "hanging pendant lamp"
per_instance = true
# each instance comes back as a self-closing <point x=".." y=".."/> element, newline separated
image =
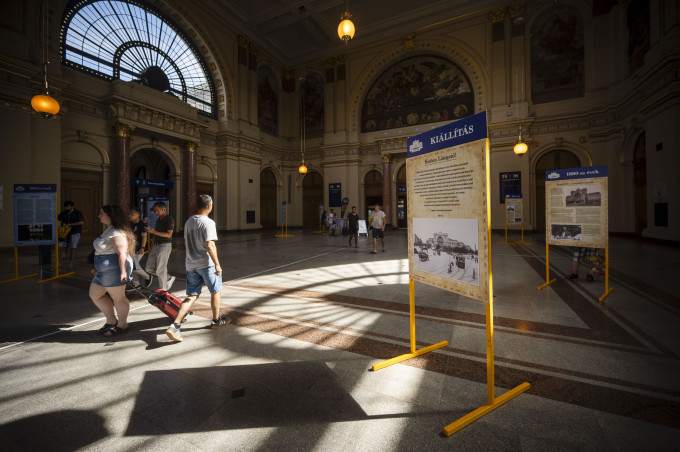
<point x="346" y="28"/>
<point x="302" y="169"/>
<point x="43" y="103"/>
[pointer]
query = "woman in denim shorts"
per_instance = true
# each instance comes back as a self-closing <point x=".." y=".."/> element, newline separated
<point x="113" y="266"/>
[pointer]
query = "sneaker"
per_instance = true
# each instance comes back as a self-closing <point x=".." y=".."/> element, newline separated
<point x="174" y="333"/>
<point x="170" y="281"/>
<point x="223" y="320"/>
<point x="147" y="283"/>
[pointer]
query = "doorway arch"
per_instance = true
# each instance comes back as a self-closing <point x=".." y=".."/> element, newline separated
<point x="268" y="190"/>
<point x="554" y="159"/>
<point x="312" y="198"/>
<point x="152" y="163"/>
<point x="402" y="202"/>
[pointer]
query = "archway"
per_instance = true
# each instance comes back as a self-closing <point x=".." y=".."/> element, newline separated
<point x="640" y="178"/>
<point x="152" y="164"/>
<point x="373" y="186"/>
<point x="555" y="159"/>
<point x="312" y="197"/>
<point x="267" y="198"/>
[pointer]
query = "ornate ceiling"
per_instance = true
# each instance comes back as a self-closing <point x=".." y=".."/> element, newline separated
<point x="297" y="31"/>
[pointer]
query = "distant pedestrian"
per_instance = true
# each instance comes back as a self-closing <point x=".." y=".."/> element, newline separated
<point x="353" y="227"/>
<point x="378" y="221"/>
<point x="72" y="218"/>
<point x="202" y="265"/>
<point x="138" y="229"/>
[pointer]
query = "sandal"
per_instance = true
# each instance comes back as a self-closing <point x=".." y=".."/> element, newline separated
<point x="572" y="276"/>
<point x="116" y="330"/>
<point x="589" y="278"/>
<point x="105" y="328"/>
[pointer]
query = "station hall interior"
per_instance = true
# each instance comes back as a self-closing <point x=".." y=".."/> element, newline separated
<point x="168" y="99"/>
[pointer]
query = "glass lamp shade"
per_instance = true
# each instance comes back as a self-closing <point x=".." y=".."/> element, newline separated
<point x="302" y="169"/>
<point x="45" y="105"/>
<point x="346" y="28"/>
<point x="520" y="148"/>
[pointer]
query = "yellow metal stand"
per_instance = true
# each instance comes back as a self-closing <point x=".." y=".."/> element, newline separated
<point x="414" y="352"/>
<point x="492" y="402"/>
<point x="286" y="234"/>
<point x="320" y="231"/>
<point x="56" y="258"/>
<point x="547" y="269"/>
<point x="523" y="242"/>
<point x="607" y="289"/>
<point x="16" y="270"/>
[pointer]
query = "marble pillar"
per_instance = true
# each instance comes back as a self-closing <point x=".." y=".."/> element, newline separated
<point x="121" y="166"/>
<point x="189" y="179"/>
<point x="387" y="185"/>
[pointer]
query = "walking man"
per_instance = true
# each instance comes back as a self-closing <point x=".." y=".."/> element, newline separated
<point x="157" y="262"/>
<point x="138" y="229"/>
<point x="72" y="218"/>
<point x="203" y="266"/>
<point x="353" y="226"/>
<point x="378" y="220"/>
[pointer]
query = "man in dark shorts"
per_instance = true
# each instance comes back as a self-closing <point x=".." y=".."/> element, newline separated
<point x="73" y="218"/>
<point x="353" y="226"/>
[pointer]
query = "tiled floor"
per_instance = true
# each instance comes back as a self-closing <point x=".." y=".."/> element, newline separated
<point x="310" y="317"/>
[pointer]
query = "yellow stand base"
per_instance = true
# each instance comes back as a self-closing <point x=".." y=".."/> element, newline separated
<point x="18" y="278"/>
<point x="481" y="411"/>
<point x="401" y="358"/>
<point x="543" y="286"/>
<point x="55" y="277"/>
<point x="606" y="294"/>
<point x="284" y="235"/>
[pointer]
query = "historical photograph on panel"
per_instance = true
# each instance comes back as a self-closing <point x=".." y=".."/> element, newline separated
<point x="566" y="232"/>
<point x="447" y="248"/>
<point x="583" y="196"/>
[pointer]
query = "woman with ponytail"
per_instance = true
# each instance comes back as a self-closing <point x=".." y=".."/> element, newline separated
<point x="113" y="266"/>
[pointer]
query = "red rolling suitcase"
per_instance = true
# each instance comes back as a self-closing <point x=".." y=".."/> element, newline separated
<point x="168" y="303"/>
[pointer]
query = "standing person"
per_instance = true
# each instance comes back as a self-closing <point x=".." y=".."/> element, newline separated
<point x="73" y="218"/>
<point x="324" y="227"/>
<point x="113" y="266"/>
<point x="139" y="231"/>
<point x="353" y="226"/>
<point x="331" y="222"/>
<point x="578" y="253"/>
<point x="203" y="266"/>
<point x="378" y="220"/>
<point x="157" y="262"/>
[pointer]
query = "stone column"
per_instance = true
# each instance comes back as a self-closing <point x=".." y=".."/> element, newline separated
<point x="387" y="185"/>
<point x="121" y="165"/>
<point x="189" y="179"/>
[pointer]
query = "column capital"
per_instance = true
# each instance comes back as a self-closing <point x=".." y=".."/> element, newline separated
<point x="330" y="62"/>
<point x="123" y="130"/>
<point x="386" y="157"/>
<point x="497" y="15"/>
<point x="191" y="146"/>
<point x="409" y="42"/>
<point x="243" y="42"/>
<point x="341" y="59"/>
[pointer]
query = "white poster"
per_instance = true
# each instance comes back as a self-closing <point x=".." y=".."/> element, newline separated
<point x="513" y="211"/>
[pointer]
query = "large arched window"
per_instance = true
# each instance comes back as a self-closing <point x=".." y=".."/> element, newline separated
<point x="129" y="40"/>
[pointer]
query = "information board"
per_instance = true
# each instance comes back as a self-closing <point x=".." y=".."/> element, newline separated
<point x="334" y="194"/>
<point x="513" y="211"/>
<point x="576" y="205"/>
<point x="447" y="183"/>
<point x="35" y="214"/>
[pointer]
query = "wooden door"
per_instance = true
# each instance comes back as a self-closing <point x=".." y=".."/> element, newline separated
<point x="85" y="189"/>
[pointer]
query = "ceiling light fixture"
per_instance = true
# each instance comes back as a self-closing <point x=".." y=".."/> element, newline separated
<point x="43" y="103"/>
<point x="346" y="28"/>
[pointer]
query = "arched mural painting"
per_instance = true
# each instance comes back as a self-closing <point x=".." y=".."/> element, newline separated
<point x="313" y="98"/>
<point x="417" y="90"/>
<point x="267" y="101"/>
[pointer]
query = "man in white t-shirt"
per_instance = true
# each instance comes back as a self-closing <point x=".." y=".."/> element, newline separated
<point x="378" y="220"/>
<point x="202" y="265"/>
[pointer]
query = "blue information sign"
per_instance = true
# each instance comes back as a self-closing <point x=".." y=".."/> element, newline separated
<point x="137" y="182"/>
<point x="510" y="185"/>
<point x="576" y="173"/>
<point x="466" y="130"/>
<point x="334" y="194"/>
